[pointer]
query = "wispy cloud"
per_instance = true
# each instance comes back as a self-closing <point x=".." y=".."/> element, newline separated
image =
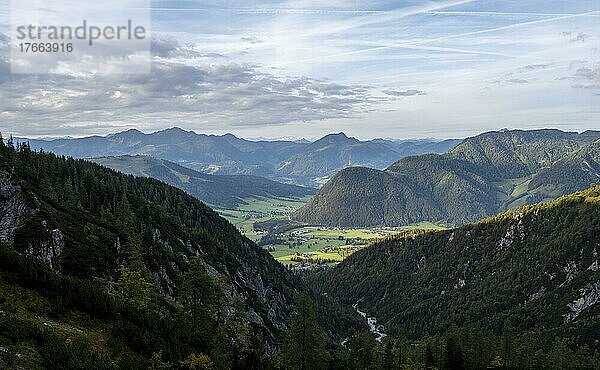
<point x="409" y="92"/>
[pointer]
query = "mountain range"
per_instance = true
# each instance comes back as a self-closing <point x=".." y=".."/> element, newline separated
<point x="481" y="176"/>
<point x="225" y="191"/>
<point x="100" y="269"/>
<point x="298" y="162"/>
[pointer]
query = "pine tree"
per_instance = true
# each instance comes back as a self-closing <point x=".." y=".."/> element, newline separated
<point x="429" y="359"/>
<point x="388" y="355"/>
<point x="363" y="348"/>
<point x="304" y="347"/>
<point x="453" y="356"/>
<point x="198" y="294"/>
<point x="131" y="288"/>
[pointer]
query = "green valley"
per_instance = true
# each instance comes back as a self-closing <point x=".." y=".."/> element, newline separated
<point x="519" y="289"/>
<point x="300" y="185"/>
<point x="267" y="222"/>
<point x="307" y="246"/>
<point x="260" y="209"/>
<point x="104" y="270"/>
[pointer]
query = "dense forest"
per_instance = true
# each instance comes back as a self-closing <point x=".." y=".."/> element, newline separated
<point x="137" y="269"/>
<point x="530" y="277"/>
<point x="482" y="176"/>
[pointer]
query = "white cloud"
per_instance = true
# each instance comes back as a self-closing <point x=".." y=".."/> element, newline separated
<point x="205" y="93"/>
<point x="409" y="92"/>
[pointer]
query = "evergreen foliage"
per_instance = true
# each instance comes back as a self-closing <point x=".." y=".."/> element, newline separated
<point x="132" y="254"/>
<point x="522" y="275"/>
<point x="304" y="347"/>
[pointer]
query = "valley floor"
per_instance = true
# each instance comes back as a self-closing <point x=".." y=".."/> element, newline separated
<point x="267" y="222"/>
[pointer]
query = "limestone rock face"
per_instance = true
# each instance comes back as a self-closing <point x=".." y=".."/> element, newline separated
<point x="13" y="208"/>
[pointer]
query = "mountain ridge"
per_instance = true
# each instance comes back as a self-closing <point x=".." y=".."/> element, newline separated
<point x="284" y="161"/>
<point x="83" y="221"/>
<point x="224" y="191"/>
<point x="480" y="177"/>
<point x="536" y="266"/>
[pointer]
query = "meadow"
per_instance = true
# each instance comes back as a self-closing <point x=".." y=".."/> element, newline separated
<point x="305" y="245"/>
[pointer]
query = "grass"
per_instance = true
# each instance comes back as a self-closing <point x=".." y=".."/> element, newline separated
<point x="331" y="243"/>
<point x="362" y="233"/>
<point x="331" y="250"/>
<point x="30" y="306"/>
<point x="260" y="209"/>
<point x="521" y="187"/>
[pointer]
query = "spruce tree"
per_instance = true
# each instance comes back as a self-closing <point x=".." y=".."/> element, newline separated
<point x="453" y="356"/>
<point x="304" y="347"/>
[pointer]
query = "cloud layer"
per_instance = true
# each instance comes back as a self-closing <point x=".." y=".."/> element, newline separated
<point x="207" y="94"/>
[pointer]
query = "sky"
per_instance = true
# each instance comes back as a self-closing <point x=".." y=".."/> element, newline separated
<point x="305" y="68"/>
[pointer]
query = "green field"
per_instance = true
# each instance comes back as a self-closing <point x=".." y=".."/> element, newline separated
<point x="260" y="209"/>
<point x="328" y="251"/>
<point x="364" y="233"/>
<point x="307" y="244"/>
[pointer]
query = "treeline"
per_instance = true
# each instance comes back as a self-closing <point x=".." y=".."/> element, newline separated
<point x="312" y="260"/>
<point x="306" y="347"/>
<point x="464" y="348"/>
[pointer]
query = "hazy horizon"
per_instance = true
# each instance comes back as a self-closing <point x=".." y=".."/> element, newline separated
<point x="281" y="138"/>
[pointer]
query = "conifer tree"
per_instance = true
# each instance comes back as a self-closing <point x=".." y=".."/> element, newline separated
<point x="453" y="356"/>
<point x="304" y="347"/>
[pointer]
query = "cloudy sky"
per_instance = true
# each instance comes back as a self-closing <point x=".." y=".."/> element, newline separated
<point x="304" y="68"/>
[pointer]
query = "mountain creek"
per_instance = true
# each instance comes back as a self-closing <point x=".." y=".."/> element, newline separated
<point x="374" y="327"/>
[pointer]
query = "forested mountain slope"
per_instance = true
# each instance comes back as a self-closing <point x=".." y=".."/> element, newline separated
<point x="225" y="191"/>
<point x="535" y="269"/>
<point x="482" y="176"/>
<point x="571" y="173"/>
<point x="189" y="283"/>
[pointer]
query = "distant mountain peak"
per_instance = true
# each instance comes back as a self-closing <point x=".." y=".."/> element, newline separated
<point x="130" y="132"/>
<point x="174" y="130"/>
<point x="339" y="134"/>
<point x="336" y="137"/>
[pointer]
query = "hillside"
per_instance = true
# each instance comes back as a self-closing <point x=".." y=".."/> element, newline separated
<point x="225" y="191"/>
<point x="535" y="270"/>
<point x="126" y="267"/>
<point x="481" y="176"/>
<point x="298" y="162"/>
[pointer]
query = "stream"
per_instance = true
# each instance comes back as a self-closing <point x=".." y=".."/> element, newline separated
<point x="372" y="322"/>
